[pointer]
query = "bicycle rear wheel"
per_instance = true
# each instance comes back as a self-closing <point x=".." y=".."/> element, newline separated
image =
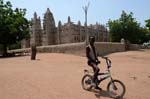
<point x="116" y="89"/>
<point x="86" y="82"/>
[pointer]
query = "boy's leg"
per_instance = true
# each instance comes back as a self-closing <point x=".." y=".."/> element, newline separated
<point x="95" y="72"/>
<point x="95" y="77"/>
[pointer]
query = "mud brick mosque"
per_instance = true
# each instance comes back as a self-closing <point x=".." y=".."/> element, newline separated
<point x="49" y="34"/>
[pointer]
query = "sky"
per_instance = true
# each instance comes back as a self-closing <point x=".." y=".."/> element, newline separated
<point x="99" y="10"/>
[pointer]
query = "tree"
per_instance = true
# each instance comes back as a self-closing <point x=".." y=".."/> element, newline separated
<point x="13" y="25"/>
<point x="125" y="27"/>
<point x="148" y="23"/>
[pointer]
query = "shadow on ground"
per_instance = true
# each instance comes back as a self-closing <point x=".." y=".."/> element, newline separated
<point x="102" y="93"/>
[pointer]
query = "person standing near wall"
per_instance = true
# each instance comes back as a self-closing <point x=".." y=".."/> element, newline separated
<point x="33" y="52"/>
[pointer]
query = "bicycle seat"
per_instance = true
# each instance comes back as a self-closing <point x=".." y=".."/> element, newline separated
<point x="104" y="57"/>
<point x="86" y="71"/>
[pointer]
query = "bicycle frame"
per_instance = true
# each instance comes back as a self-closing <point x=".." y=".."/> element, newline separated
<point x="107" y="75"/>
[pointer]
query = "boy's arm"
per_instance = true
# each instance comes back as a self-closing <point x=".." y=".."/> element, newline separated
<point x="96" y="56"/>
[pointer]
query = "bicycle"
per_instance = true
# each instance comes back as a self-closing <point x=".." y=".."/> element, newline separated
<point x="113" y="86"/>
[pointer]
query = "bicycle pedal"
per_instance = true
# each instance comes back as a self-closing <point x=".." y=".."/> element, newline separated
<point x="93" y="85"/>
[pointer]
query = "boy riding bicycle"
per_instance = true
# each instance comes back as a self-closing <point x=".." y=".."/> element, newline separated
<point x="93" y="60"/>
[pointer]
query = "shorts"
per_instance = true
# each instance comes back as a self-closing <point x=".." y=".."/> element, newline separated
<point x="90" y="63"/>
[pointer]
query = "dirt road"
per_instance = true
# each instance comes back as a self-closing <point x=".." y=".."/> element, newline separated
<point x="58" y="76"/>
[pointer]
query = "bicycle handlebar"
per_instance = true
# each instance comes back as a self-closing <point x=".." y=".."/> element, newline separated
<point x="108" y="61"/>
<point x="104" y="57"/>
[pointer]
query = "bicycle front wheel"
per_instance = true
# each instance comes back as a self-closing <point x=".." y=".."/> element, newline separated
<point x="116" y="89"/>
<point x="86" y="82"/>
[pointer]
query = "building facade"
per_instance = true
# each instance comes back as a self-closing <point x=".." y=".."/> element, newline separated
<point x="49" y="34"/>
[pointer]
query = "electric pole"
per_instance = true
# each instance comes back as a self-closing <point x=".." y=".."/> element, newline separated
<point x="85" y="8"/>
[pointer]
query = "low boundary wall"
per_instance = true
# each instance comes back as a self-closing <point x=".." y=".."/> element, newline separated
<point x="103" y="48"/>
<point x="135" y="47"/>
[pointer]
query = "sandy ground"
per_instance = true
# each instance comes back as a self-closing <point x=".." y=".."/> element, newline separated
<point x="58" y="76"/>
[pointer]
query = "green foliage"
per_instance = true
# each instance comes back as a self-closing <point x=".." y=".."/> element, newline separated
<point x="13" y="25"/>
<point x="128" y="28"/>
<point x="148" y="23"/>
<point x="15" y="46"/>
